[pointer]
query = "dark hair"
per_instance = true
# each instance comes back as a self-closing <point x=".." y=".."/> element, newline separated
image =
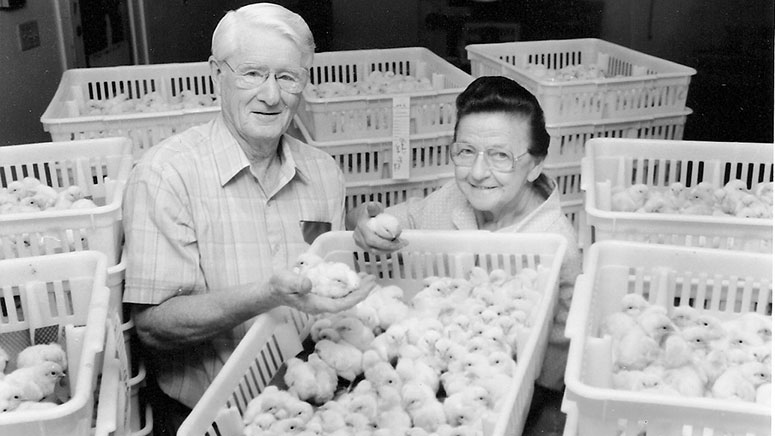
<point x="490" y="94"/>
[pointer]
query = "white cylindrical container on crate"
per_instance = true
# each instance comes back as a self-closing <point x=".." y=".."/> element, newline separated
<point x="720" y="284"/>
<point x="612" y="164"/>
<point x="276" y="336"/>
<point x="99" y="167"/>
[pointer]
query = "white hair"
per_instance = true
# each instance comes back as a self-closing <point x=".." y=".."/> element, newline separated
<point x="268" y="16"/>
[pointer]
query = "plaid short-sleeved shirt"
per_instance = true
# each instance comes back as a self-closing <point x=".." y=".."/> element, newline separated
<point x="197" y="219"/>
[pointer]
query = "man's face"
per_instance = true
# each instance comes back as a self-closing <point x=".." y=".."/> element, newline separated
<point x="260" y="115"/>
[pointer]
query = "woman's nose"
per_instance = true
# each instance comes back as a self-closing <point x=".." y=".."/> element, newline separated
<point x="480" y="169"/>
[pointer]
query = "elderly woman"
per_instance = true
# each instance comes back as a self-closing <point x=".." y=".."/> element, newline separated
<point x="499" y="147"/>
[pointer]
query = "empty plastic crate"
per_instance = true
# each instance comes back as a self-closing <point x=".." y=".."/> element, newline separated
<point x="441" y="253"/>
<point x="612" y="163"/>
<point x="100" y="167"/>
<point x="371" y="116"/>
<point x="66" y="117"/>
<point x="720" y="283"/>
<point x="633" y="83"/>
<point x="59" y="298"/>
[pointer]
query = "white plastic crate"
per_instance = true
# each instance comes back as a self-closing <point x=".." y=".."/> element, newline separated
<point x="721" y="283"/>
<point x="371" y="116"/>
<point x="391" y="192"/>
<point x="118" y="407"/>
<point x="65" y="121"/>
<point x="273" y="339"/>
<point x="372" y="159"/>
<point x="614" y="163"/>
<point x="58" y="298"/>
<point x="568" y="180"/>
<point x="100" y="167"/>
<point x="567" y="140"/>
<point x="636" y="84"/>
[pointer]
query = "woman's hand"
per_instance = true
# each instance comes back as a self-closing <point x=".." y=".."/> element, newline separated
<point x="373" y="234"/>
<point x="293" y="290"/>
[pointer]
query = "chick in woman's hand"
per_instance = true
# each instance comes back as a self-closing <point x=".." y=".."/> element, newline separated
<point x="386" y="226"/>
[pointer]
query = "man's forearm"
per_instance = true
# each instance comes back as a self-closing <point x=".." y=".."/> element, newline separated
<point x="186" y="320"/>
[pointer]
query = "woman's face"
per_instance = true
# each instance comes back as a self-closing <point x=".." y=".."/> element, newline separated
<point x="489" y="190"/>
<point x="261" y="115"/>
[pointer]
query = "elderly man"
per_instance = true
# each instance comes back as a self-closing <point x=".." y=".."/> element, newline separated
<point x="216" y="215"/>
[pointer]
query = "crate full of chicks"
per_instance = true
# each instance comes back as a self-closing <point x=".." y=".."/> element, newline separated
<point x="586" y="80"/>
<point x="63" y="196"/>
<point x="705" y="194"/>
<point x="449" y="342"/>
<point x="146" y="103"/>
<point x="351" y="93"/>
<point x="52" y="335"/>
<point x="670" y="340"/>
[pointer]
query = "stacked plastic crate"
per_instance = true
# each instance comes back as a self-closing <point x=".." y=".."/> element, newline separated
<point x="387" y="116"/>
<point x="146" y="103"/>
<point x="95" y="171"/>
<point x="590" y="88"/>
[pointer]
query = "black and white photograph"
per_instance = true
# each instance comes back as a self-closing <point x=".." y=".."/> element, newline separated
<point x="386" y="217"/>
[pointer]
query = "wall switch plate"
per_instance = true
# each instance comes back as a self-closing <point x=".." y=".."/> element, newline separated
<point x="29" y="37"/>
<point x="12" y="4"/>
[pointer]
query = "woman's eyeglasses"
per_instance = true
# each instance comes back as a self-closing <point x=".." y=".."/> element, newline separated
<point x="247" y="76"/>
<point x="464" y="155"/>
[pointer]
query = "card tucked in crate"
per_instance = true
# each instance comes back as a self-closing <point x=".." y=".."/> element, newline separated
<point x="670" y="340"/>
<point x="451" y="339"/>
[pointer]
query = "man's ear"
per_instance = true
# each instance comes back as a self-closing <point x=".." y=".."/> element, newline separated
<point x="536" y="171"/>
<point x="215" y="73"/>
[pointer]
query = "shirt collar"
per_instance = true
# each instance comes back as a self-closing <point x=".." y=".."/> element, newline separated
<point x="230" y="159"/>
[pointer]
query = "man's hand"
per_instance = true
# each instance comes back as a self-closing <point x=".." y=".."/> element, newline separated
<point x="369" y="237"/>
<point x="295" y="291"/>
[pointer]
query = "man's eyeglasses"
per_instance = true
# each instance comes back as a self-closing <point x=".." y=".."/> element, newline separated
<point x="464" y="155"/>
<point x="248" y="76"/>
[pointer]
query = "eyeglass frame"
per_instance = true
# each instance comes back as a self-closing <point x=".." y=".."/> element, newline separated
<point x="303" y="72"/>
<point x="483" y="153"/>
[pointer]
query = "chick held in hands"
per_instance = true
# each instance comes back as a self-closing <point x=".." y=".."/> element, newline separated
<point x="329" y="279"/>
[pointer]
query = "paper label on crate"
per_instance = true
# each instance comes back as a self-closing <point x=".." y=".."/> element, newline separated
<point x="401" y="149"/>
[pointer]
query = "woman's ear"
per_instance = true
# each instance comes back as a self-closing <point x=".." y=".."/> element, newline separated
<point x="536" y="171"/>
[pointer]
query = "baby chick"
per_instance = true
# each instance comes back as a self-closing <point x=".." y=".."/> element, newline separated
<point x="37" y="381"/>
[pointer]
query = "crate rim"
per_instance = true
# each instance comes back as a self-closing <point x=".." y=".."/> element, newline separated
<point x="622" y="120"/>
